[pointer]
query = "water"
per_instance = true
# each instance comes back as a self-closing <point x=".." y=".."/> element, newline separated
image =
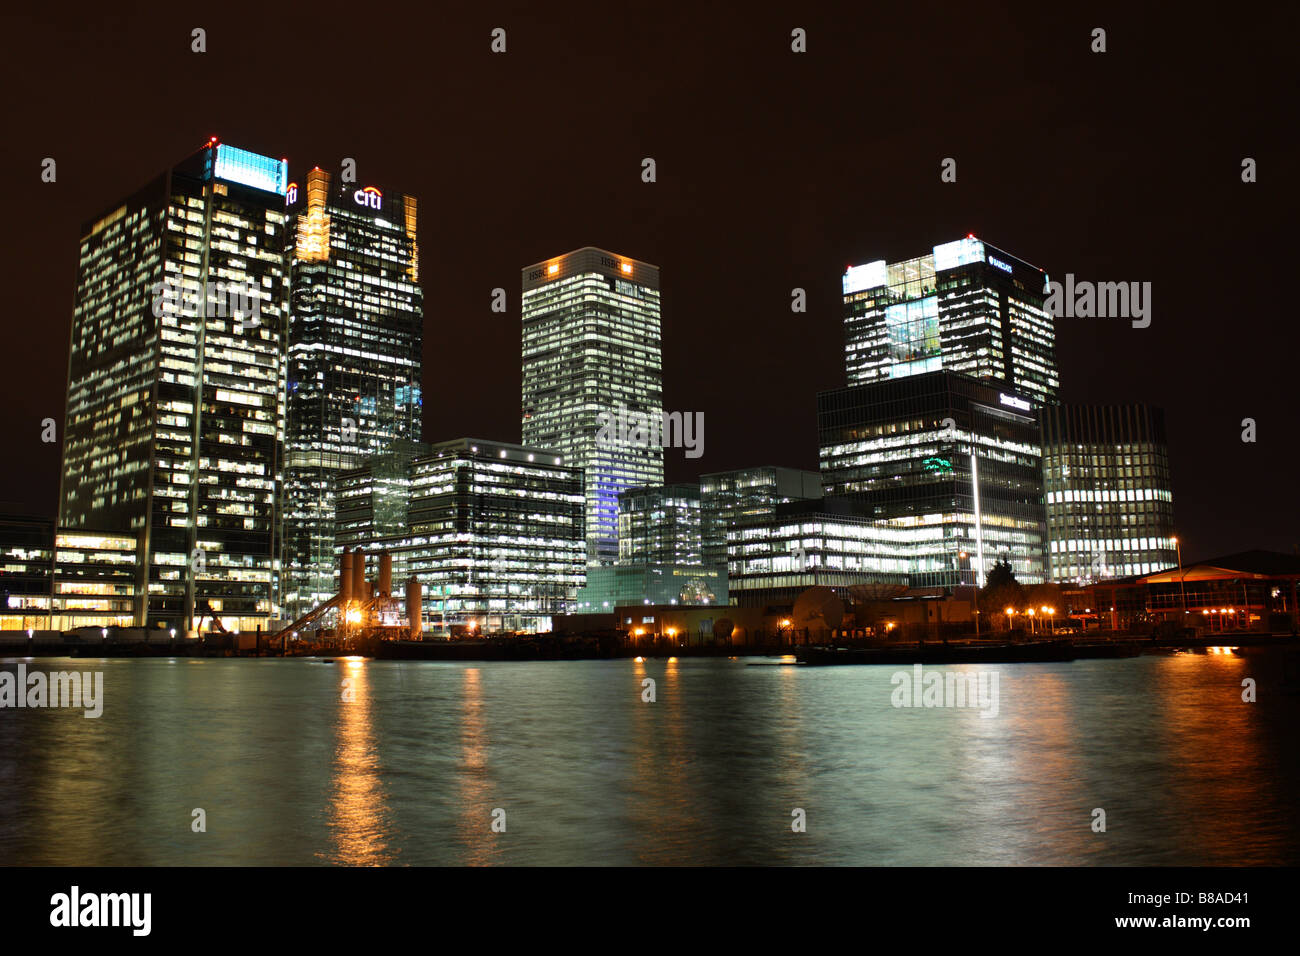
<point x="411" y="770"/>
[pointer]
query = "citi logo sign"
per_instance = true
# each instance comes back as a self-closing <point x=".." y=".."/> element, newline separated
<point x="370" y="196"/>
<point x="291" y="194"/>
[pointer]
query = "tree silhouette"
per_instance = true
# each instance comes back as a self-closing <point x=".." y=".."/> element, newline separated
<point x="1001" y="590"/>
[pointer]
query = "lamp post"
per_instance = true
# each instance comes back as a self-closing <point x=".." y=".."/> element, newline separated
<point x="1182" y="588"/>
<point x="1011" y="612"/>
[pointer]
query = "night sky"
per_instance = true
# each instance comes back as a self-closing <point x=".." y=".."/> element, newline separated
<point x="775" y="170"/>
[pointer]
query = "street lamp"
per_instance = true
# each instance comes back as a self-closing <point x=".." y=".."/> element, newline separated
<point x="1011" y="612"/>
<point x="1030" y="612"/>
<point x="1181" y="587"/>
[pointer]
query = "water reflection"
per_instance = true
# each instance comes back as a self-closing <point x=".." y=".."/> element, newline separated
<point x="410" y="768"/>
<point x="358" y="825"/>
<point x="476" y="818"/>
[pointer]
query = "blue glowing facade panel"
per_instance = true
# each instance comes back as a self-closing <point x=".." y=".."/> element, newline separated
<point x="251" y="169"/>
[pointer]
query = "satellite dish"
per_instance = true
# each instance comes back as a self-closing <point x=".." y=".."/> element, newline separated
<point x="818" y="607"/>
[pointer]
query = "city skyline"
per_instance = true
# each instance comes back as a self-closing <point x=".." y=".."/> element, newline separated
<point x="884" y="346"/>
<point x="678" y="435"/>
<point x="727" y="294"/>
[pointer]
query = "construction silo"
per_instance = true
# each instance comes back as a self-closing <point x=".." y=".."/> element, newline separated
<point x="358" y="575"/>
<point x="345" y="576"/>
<point x="414" y="606"/>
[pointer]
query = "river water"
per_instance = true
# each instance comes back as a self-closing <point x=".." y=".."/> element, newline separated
<point x="410" y="763"/>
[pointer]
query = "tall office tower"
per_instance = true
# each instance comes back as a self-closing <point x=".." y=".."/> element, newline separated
<point x="965" y="307"/>
<point x="659" y="525"/>
<point x="1110" y="503"/>
<point x="592" y="377"/>
<point x="953" y="462"/>
<point x="356" y="332"/>
<point x="175" y="415"/>
<point x="730" y="498"/>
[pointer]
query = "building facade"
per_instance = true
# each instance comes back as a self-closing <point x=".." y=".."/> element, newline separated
<point x="773" y="558"/>
<point x="965" y="306"/>
<point x="951" y="462"/>
<point x="356" y="334"/>
<point x="1110" y="503"/>
<point x="610" y="586"/>
<point x="26" y="571"/>
<point x="591" y="360"/>
<point x="175" y="419"/>
<point x="659" y="525"/>
<point x="731" y="498"/>
<point x="494" y="532"/>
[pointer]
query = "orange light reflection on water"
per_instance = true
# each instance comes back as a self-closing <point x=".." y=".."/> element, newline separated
<point x="358" y="819"/>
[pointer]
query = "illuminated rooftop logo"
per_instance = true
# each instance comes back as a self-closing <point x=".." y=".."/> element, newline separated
<point x="370" y="197"/>
<point x="237" y="165"/>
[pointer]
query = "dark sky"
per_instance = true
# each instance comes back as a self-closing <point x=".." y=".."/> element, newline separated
<point x="775" y="170"/>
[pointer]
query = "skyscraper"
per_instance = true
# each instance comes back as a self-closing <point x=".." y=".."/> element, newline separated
<point x="355" y="337"/>
<point x="966" y="307"/>
<point x="951" y="463"/>
<point x="175" y="415"/>
<point x="591" y="356"/>
<point x="1110" y="504"/>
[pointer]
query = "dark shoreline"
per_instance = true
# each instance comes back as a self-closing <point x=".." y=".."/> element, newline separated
<point x="605" y="647"/>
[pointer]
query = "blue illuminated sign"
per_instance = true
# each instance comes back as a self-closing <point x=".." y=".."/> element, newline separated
<point x="251" y="169"/>
<point x="999" y="264"/>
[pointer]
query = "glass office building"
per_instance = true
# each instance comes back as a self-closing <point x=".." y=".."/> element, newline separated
<point x="965" y="307"/>
<point x="354" y="366"/>
<point x="773" y="558"/>
<point x="953" y="462"/>
<point x="1110" y="503"/>
<point x="611" y="587"/>
<point x="730" y="498"/>
<point x="26" y="571"/>
<point x="175" y="420"/>
<point x="591" y="358"/>
<point x="659" y="525"/>
<point x="494" y="532"/>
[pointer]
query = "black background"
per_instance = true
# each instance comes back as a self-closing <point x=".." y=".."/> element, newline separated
<point x="775" y="170"/>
